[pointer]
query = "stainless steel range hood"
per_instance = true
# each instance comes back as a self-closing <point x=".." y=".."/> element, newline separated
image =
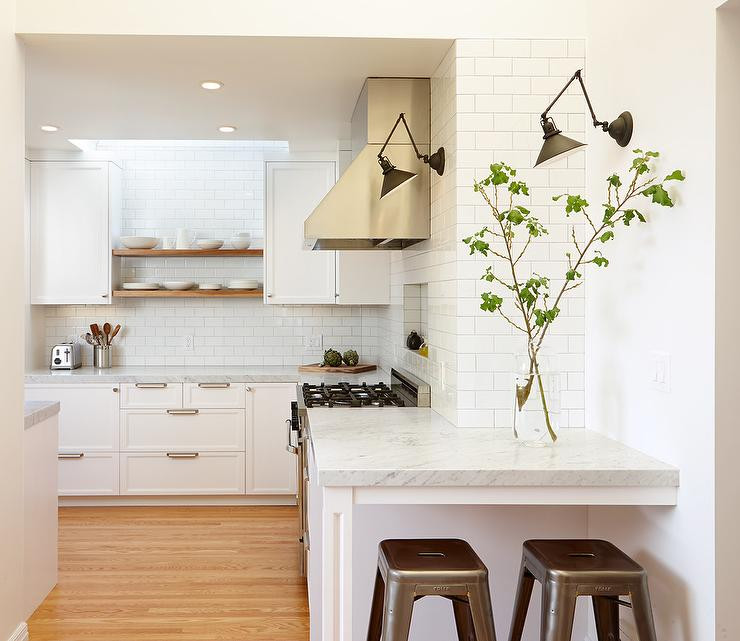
<point x="351" y="215"/>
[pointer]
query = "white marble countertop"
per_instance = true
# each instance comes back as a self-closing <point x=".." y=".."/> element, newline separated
<point x="37" y="411"/>
<point x="179" y="374"/>
<point x="370" y="447"/>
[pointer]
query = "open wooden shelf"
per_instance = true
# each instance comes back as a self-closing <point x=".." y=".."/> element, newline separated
<point x="175" y="253"/>
<point x="188" y="293"/>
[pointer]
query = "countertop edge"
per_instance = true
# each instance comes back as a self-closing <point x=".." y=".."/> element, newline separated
<point x="37" y="411"/>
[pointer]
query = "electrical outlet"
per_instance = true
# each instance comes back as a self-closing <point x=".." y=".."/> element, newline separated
<point x="188" y="343"/>
<point x="660" y="371"/>
<point x="314" y="342"/>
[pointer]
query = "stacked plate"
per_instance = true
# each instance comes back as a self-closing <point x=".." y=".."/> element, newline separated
<point x="209" y="286"/>
<point x="209" y="244"/>
<point x="139" y="242"/>
<point x="178" y="285"/>
<point x="243" y="283"/>
<point x="141" y="286"/>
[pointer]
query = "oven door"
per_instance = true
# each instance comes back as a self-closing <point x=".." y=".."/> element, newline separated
<point x="294" y="446"/>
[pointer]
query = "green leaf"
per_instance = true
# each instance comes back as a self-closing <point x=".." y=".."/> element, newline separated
<point x="558" y="197"/>
<point x="541" y="316"/>
<point x="575" y="203"/>
<point x="600" y="261"/>
<point x="609" y="211"/>
<point x="614" y="180"/>
<point x="675" y="175"/>
<point x="515" y="217"/>
<point x="518" y="187"/>
<point x="659" y="195"/>
<point x="572" y="274"/>
<point x="607" y="235"/>
<point x="491" y="302"/>
<point x="628" y="216"/>
<point x="488" y="275"/>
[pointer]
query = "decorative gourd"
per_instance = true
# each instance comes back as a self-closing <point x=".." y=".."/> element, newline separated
<point x="332" y="358"/>
<point x="351" y="357"/>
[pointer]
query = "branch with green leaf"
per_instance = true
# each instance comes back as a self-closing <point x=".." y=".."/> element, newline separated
<point x="535" y="307"/>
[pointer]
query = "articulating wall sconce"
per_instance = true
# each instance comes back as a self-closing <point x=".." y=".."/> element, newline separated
<point x="393" y="177"/>
<point x="558" y="146"/>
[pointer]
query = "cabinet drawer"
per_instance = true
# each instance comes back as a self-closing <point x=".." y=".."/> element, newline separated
<point x="182" y="472"/>
<point x="189" y="429"/>
<point x="88" y="473"/>
<point x="214" y="395"/>
<point x="151" y="395"/>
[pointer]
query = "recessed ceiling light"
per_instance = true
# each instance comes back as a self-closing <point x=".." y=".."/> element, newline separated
<point x="227" y="129"/>
<point x="211" y="85"/>
<point x="49" y="128"/>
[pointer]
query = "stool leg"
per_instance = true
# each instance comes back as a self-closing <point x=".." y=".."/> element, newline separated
<point x="558" y="610"/>
<point x="521" y="604"/>
<point x="479" y="597"/>
<point x="375" y="626"/>
<point x="399" y="603"/>
<point x="643" y="612"/>
<point x="606" y="613"/>
<point x="463" y="620"/>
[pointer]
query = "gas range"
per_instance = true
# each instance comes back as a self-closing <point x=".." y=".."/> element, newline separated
<point x="350" y="395"/>
<point x="405" y="390"/>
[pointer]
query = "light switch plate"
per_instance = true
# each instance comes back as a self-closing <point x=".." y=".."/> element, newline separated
<point x="188" y="343"/>
<point x="314" y="343"/>
<point x="660" y="371"/>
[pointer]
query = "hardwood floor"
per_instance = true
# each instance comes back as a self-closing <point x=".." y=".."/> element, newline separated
<point x="176" y="573"/>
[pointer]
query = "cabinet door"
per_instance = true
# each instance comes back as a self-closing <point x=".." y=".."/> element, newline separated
<point x="270" y="468"/>
<point x="364" y="277"/>
<point x="70" y="233"/>
<point x="88" y="473"/>
<point x="88" y="416"/>
<point x="294" y="274"/>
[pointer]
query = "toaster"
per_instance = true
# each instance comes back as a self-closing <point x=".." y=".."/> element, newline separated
<point x="66" y="356"/>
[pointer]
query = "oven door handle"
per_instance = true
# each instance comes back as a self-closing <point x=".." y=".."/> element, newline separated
<point x="292" y="449"/>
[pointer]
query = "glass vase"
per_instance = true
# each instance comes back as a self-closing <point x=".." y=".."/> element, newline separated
<point x="536" y="397"/>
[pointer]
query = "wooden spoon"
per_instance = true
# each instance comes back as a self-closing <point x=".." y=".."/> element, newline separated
<point x="95" y="332"/>
<point x="116" y="329"/>
<point x="106" y="333"/>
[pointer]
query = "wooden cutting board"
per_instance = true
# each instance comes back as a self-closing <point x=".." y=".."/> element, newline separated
<point x="342" y="369"/>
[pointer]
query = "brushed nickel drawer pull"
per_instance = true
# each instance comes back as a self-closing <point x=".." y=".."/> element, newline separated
<point x="151" y="385"/>
<point x="70" y="456"/>
<point x="214" y="385"/>
<point x="182" y="412"/>
<point x="183" y="454"/>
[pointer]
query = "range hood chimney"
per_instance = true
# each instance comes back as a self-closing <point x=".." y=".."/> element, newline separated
<point x="352" y="215"/>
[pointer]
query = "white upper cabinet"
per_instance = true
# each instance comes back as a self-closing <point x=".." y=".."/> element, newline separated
<point x="74" y="207"/>
<point x="297" y="275"/>
<point x="294" y="274"/>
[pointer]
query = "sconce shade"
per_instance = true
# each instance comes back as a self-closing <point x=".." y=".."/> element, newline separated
<point x="557" y="147"/>
<point x="392" y="177"/>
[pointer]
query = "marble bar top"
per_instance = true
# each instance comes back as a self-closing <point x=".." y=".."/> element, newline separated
<point x="37" y="411"/>
<point x="369" y="447"/>
<point x="180" y="374"/>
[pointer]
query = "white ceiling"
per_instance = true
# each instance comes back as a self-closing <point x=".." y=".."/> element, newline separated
<point x="148" y="87"/>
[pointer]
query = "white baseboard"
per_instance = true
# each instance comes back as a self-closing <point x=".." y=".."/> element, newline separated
<point x="20" y="634"/>
<point x="112" y="501"/>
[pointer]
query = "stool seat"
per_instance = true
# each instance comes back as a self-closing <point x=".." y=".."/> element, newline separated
<point x="579" y="559"/>
<point x="410" y="569"/>
<point x="569" y="568"/>
<point x="421" y="556"/>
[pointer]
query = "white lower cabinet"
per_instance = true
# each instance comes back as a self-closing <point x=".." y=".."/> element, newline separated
<point x="172" y="438"/>
<point x="214" y="430"/>
<point x="270" y="468"/>
<point x="181" y="472"/>
<point x="88" y="473"/>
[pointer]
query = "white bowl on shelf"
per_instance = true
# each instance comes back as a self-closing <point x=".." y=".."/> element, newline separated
<point x="243" y="283"/>
<point x="141" y="286"/>
<point x="210" y="286"/>
<point x="178" y="285"/>
<point x="209" y="244"/>
<point x="139" y="242"/>
<point x="241" y="242"/>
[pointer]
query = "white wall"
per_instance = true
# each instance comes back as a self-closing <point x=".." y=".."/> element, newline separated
<point x="11" y="323"/>
<point x="329" y="18"/>
<point x="487" y="95"/>
<point x="658" y="294"/>
<point x="213" y="189"/>
<point x="727" y="347"/>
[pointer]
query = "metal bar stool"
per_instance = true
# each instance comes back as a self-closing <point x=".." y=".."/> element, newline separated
<point x="568" y="569"/>
<point x="410" y="569"/>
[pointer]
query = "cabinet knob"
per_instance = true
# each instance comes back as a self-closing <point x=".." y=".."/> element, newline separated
<point x="269" y="294"/>
<point x="115" y="389"/>
<point x="103" y="295"/>
<point x="249" y="389"/>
